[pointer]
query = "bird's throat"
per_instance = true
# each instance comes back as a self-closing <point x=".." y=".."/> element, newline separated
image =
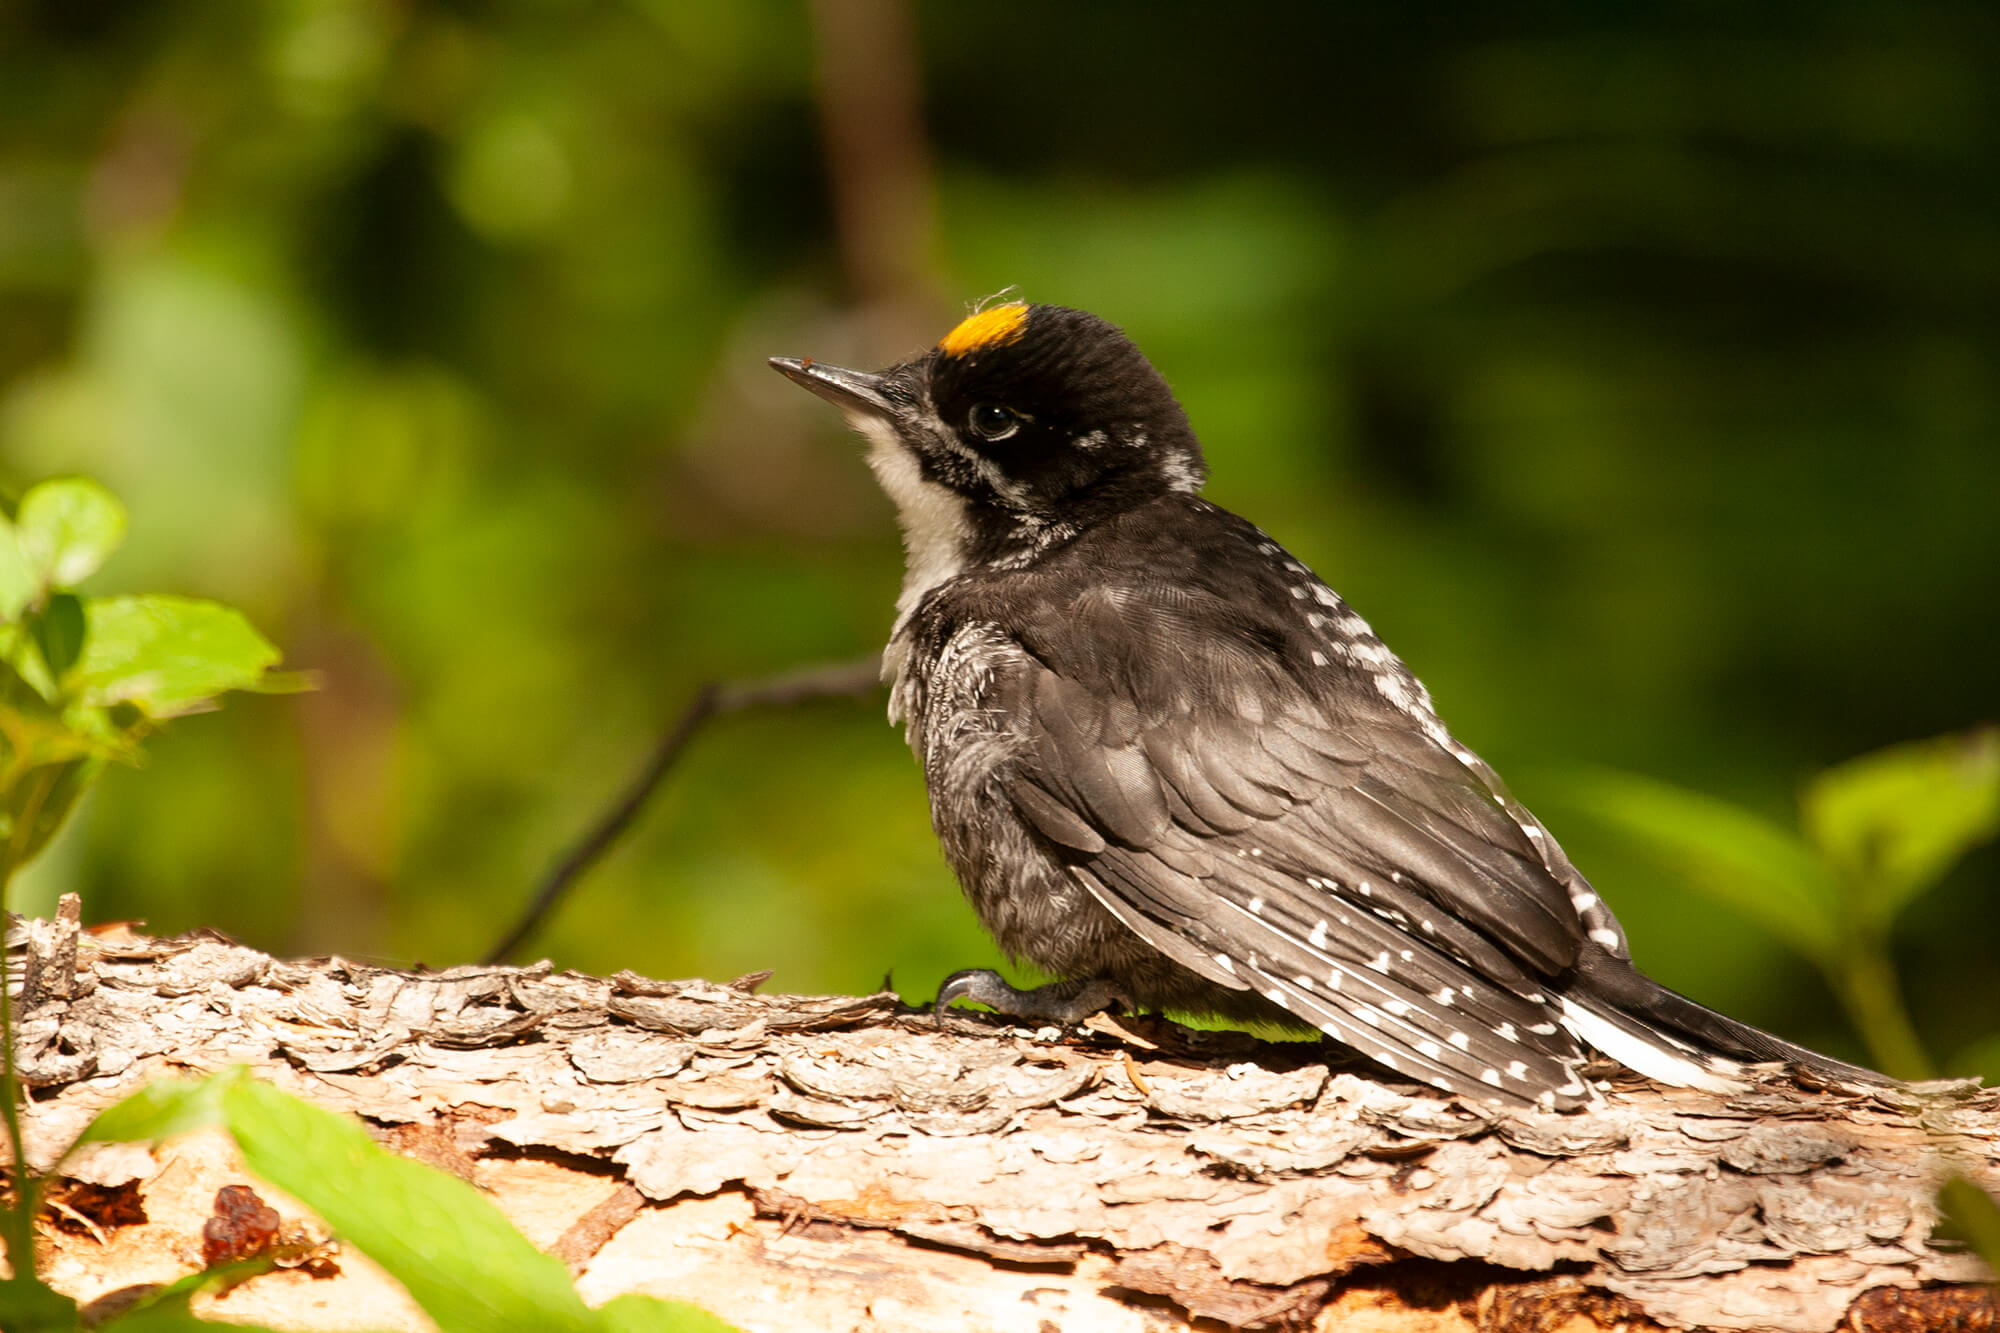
<point x="937" y="532"/>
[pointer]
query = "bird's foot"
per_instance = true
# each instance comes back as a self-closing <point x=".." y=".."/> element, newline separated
<point x="1057" y="1002"/>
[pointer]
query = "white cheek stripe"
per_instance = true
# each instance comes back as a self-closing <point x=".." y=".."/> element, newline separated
<point x="935" y="529"/>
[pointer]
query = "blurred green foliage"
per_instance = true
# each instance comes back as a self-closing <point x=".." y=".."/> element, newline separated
<point x="1635" y="371"/>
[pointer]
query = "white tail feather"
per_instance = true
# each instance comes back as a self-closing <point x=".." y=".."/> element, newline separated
<point x="1655" y="1058"/>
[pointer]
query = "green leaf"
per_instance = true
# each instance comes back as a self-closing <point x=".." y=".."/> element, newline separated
<point x="31" y="1306"/>
<point x="160" y="1110"/>
<point x="649" y="1314"/>
<point x="173" y="1316"/>
<point x="67" y="528"/>
<point x="17" y="576"/>
<point x="59" y="632"/>
<point x="1725" y="852"/>
<point x="167" y="655"/>
<point x="43" y="800"/>
<point x="26" y="674"/>
<point x="39" y="736"/>
<point x="1980" y="1060"/>
<point x="219" y="1278"/>
<point x="460" y="1259"/>
<point x="1973" y="1216"/>
<point x="167" y="1310"/>
<point x="1892" y="823"/>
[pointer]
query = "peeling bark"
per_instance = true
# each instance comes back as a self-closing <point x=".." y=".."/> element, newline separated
<point x="841" y="1162"/>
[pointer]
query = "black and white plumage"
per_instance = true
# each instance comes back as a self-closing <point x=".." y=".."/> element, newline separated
<point x="1171" y="766"/>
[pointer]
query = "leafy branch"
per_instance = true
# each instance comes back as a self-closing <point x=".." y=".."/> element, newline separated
<point x="83" y="680"/>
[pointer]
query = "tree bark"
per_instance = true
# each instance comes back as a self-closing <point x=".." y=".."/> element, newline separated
<point x="800" y="1162"/>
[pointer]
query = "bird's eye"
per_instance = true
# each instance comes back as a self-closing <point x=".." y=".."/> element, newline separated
<point x="991" y="421"/>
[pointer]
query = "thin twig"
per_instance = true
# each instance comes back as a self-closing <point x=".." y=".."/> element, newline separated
<point x="711" y="700"/>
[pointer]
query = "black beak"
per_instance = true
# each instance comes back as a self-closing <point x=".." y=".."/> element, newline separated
<point x="852" y="391"/>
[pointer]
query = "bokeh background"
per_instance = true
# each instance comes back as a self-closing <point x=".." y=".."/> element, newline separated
<point x="1634" y="369"/>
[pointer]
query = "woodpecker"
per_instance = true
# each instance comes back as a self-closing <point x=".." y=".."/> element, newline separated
<point x="1174" y="769"/>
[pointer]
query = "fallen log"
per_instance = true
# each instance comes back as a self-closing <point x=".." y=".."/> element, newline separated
<point x="814" y="1162"/>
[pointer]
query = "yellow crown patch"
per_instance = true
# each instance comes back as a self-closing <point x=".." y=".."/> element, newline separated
<point x="995" y="327"/>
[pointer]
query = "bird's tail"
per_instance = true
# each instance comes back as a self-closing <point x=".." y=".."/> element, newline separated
<point x="1666" y="1036"/>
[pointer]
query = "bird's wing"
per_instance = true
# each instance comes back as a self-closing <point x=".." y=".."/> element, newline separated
<point x="1307" y="837"/>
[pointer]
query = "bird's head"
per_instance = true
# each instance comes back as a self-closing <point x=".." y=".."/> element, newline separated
<point x="1025" y="424"/>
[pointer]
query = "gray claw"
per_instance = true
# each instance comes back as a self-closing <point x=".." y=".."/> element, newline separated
<point x="1057" y="1002"/>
